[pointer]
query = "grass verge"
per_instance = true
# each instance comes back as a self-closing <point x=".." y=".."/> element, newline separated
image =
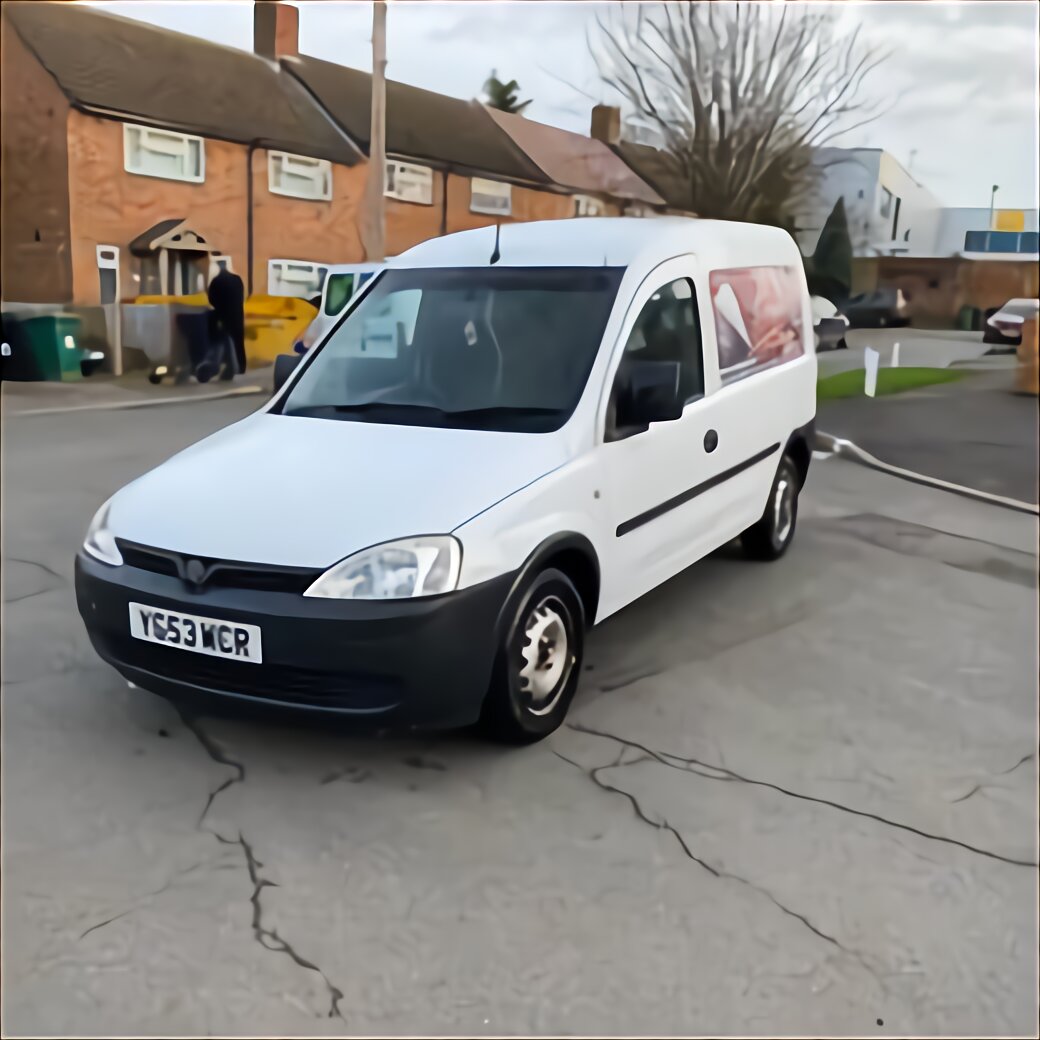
<point x="890" y="381"/>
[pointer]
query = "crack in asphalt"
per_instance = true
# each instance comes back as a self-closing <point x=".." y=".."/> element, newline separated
<point x="1021" y="762"/>
<point x="268" y="938"/>
<point x="36" y="563"/>
<point x="38" y="592"/>
<point x="983" y="786"/>
<point x="665" y="758"/>
<point x="108" y="920"/>
<point x="219" y="755"/>
<point x="662" y="824"/>
<point x="144" y="900"/>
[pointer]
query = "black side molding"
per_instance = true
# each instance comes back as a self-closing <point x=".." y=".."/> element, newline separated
<point x="652" y="514"/>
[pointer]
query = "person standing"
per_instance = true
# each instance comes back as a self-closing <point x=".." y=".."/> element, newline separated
<point x="226" y="296"/>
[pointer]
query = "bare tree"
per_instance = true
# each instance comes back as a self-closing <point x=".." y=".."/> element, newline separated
<point x="742" y="95"/>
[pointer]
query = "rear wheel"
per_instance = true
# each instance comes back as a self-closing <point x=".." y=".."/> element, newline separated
<point x="538" y="663"/>
<point x="769" y="538"/>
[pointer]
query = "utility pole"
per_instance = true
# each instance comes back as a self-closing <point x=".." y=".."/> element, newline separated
<point x="373" y="216"/>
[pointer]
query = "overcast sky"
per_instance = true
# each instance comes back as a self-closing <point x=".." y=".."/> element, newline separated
<point x="963" y="76"/>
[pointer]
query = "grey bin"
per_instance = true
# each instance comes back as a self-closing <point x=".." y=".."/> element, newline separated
<point x="157" y="331"/>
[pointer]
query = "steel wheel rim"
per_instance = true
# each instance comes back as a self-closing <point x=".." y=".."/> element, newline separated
<point x="547" y="656"/>
<point x="783" y="510"/>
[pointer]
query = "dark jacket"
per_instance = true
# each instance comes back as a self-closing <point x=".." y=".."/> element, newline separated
<point x="226" y="296"/>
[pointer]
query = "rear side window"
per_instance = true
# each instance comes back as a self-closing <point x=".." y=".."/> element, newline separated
<point x="337" y="291"/>
<point x="758" y="318"/>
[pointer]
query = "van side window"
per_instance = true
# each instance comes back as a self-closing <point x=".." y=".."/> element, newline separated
<point x="667" y="329"/>
<point x="337" y="291"/>
<point x="758" y="318"/>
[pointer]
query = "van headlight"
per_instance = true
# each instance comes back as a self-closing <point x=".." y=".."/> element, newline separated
<point x="404" y="569"/>
<point x="100" y="542"/>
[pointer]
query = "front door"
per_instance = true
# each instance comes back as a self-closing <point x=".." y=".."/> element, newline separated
<point x="108" y="295"/>
<point x="660" y="510"/>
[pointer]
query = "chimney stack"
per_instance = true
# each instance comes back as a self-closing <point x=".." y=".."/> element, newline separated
<point x="606" y="124"/>
<point x="276" y="30"/>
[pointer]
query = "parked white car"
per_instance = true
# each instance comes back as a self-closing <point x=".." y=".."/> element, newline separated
<point x="1004" y="326"/>
<point x="420" y="534"/>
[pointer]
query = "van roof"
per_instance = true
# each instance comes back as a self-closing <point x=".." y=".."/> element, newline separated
<point x="641" y="242"/>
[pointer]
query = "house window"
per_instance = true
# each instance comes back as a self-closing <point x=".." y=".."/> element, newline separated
<point x="298" y="176"/>
<point x="295" y="278"/>
<point x="162" y="153"/>
<point x="886" y="202"/>
<point x="588" y="206"/>
<point x="409" y="183"/>
<point x="637" y="209"/>
<point x="490" y="197"/>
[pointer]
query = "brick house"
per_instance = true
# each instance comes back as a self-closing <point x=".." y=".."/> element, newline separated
<point x="113" y="128"/>
<point x="133" y="155"/>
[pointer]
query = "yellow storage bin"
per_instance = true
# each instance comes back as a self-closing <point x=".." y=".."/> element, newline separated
<point x="273" y="324"/>
<point x="199" y="299"/>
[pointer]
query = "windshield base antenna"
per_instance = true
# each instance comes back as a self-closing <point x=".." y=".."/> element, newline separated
<point x="495" y="254"/>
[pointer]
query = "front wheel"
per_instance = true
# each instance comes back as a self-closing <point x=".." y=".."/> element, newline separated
<point x="769" y="538"/>
<point x="538" y="663"/>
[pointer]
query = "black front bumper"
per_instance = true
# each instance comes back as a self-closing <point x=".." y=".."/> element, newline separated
<point x="404" y="663"/>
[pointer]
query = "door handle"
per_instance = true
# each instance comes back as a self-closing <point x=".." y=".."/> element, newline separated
<point x="711" y="441"/>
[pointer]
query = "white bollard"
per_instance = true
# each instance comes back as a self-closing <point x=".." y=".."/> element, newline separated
<point x="895" y="355"/>
<point x="870" y="369"/>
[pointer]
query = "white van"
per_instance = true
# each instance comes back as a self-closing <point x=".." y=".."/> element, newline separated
<point x="342" y="283"/>
<point x="419" y="527"/>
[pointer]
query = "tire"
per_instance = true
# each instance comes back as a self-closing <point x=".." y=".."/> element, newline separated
<point x="545" y="633"/>
<point x="769" y="538"/>
<point x="842" y="344"/>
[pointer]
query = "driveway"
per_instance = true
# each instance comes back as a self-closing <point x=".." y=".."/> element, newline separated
<point x="792" y="798"/>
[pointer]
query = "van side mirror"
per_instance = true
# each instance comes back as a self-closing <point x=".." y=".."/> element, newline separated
<point x="649" y="394"/>
<point x="284" y="364"/>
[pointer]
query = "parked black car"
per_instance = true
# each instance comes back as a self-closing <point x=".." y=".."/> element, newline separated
<point x="879" y="309"/>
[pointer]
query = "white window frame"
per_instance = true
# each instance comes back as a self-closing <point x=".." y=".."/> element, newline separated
<point x="589" y="206"/>
<point x="275" y="275"/>
<point x="169" y="138"/>
<point x="319" y="169"/>
<point x="492" y="190"/>
<point x="420" y="176"/>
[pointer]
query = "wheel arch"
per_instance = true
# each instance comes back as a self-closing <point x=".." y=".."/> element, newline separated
<point x="799" y="449"/>
<point x="569" y="552"/>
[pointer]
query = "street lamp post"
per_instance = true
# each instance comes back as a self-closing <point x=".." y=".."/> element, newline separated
<point x="992" y="196"/>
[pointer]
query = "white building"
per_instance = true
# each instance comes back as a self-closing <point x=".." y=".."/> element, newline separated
<point x="964" y="231"/>
<point x="889" y="213"/>
<point x="892" y="214"/>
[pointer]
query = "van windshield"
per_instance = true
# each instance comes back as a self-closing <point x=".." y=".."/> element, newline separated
<point x="480" y="348"/>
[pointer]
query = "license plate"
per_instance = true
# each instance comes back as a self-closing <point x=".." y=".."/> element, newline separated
<point x="201" y="635"/>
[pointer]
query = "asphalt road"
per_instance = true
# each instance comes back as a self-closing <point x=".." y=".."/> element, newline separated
<point x="974" y="432"/>
<point x="793" y="798"/>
